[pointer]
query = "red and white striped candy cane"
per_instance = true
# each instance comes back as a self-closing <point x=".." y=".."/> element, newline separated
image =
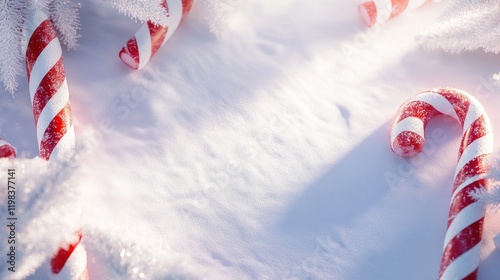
<point x="382" y="10"/>
<point x="150" y="37"/>
<point x="53" y="120"/>
<point x="461" y="251"/>
<point x="6" y="150"/>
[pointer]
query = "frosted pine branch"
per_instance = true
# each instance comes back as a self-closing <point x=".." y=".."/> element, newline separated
<point x="216" y="12"/>
<point x="490" y="198"/>
<point x="142" y="10"/>
<point x="35" y="4"/>
<point x="12" y="15"/>
<point x="465" y="26"/>
<point x="11" y="21"/>
<point x="64" y="14"/>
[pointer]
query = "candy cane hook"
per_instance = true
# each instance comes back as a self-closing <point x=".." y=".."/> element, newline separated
<point x="461" y="250"/>
<point x="150" y="37"/>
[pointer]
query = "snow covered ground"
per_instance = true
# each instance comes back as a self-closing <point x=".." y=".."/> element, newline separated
<point x="263" y="154"/>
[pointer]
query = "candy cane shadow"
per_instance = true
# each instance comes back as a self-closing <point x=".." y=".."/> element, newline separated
<point x="350" y="187"/>
<point x="399" y="226"/>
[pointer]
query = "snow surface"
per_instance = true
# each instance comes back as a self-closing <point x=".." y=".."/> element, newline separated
<point x="263" y="154"/>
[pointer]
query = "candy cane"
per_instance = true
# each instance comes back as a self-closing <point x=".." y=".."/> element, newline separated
<point x="382" y="10"/>
<point x="460" y="258"/>
<point x="7" y="150"/>
<point x="53" y="119"/>
<point x="150" y="37"/>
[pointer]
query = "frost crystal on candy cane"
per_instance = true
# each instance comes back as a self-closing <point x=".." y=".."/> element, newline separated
<point x="147" y="41"/>
<point x="382" y="10"/>
<point x="460" y="258"/>
<point x="53" y="119"/>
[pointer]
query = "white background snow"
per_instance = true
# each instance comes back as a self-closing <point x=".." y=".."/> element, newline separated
<point x="263" y="154"/>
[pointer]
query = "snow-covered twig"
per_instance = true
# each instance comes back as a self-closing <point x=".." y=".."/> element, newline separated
<point x="216" y="12"/>
<point x="490" y="198"/>
<point x="64" y="14"/>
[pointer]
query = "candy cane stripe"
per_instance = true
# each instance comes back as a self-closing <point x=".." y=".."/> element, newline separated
<point x="411" y="140"/>
<point x="55" y="131"/>
<point x="42" y="36"/>
<point x="53" y="106"/>
<point x="472" y="115"/>
<point x="143" y="39"/>
<point x="478" y="165"/>
<point x="412" y="124"/>
<point x="477" y="129"/>
<point x="66" y="273"/>
<point x="464" y="184"/>
<point x="460" y="257"/>
<point x="438" y="102"/>
<point x="465" y="264"/>
<point x="462" y="199"/>
<point x="460" y="202"/>
<point x="63" y="147"/>
<point x="384" y="10"/>
<point x="176" y="8"/>
<point x="130" y="53"/>
<point x="481" y="146"/>
<point x="36" y="20"/>
<point x="368" y="13"/>
<point x="74" y="254"/>
<point x="157" y="34"/>
<point x="398" y="6"/>
<point x="47" y="59"/>
<point x="472" y="212"/>
<point x="58" y="262"/>
<point x="408" y="143"/>
<point x="457" y="247"/>
<point x="460" y="105"/>
<point x="51" y="84"/>
<point x="423" y="110"/>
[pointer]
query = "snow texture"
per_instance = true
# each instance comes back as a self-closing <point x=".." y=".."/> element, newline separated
<point x="263" y="154"/>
